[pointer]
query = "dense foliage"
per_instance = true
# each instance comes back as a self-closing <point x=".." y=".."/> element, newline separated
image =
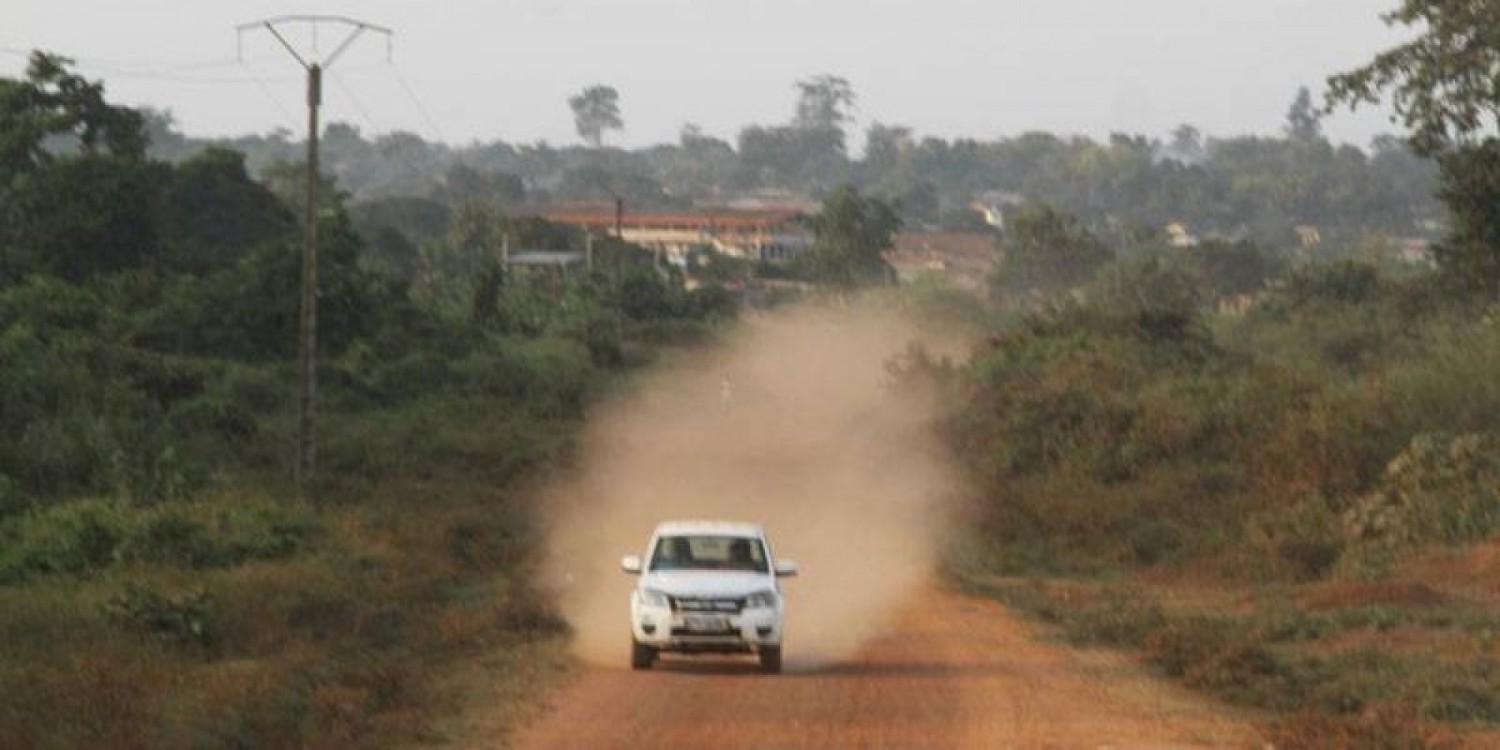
<point x="161" y="584"/>
<point x="1442" y="86"/>
<point x="1213" y="412"/>
<point x="849" y="235"/>
<point x="1250" y="187"/>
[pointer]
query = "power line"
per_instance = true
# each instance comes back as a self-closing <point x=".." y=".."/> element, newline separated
<point x="359" y="109"/>
<point x="369" y="122"/>
<point x="412" y="95"/>
<point x="175" y="71"/>
<point x="119" y="73"/>
<point x="266" y="89"/>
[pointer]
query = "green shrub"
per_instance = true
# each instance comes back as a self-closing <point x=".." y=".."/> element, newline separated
<point x="1440" y="490"/>
<point x="1304" y="541"/>
<point x="264" y="532"/>
<point x="87" y="536"/>
<point x="1221" y="656"/>
<point x="526" y="609"/>
<point x="412" y="374"/>
<point x="169" y="537"/>
<point x="78" y="537"/>
<point x="216" y="417"/>
<point x="11" y="499"/>
<point x="1474" y="700"/>
<point x="1154" y="540"/>
<point x="1111" y="617"/>
<point x="184" y="617"/>
<point x="1384" y="728"/>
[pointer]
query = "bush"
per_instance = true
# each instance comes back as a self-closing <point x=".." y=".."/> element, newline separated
<point x="1223" y="657"/>
<point x="1383" y="728"/>
<point x="1154" y="541"/>
<point x="1303" y="541"/>
<point x="184" y="617"/>
<point x="1439" y="490"/>
<point x="170" y="538"/>
<point x="79" y="537"/>
<point x="1121" y="618"/>
<point x="87" y="536"/>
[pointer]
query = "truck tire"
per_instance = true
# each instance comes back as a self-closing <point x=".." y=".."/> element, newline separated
<point x="641" y="656"/>
<point x="770" y="659"/>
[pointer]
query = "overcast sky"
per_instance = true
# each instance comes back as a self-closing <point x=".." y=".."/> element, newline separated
<point x="466" y="70"/>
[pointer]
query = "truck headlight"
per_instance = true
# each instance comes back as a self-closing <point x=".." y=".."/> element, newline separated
<point x="761" y="600"/>
<point x="653" y="598"/>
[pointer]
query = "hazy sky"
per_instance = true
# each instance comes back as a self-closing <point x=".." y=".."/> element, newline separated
<point x="465" y="70"/>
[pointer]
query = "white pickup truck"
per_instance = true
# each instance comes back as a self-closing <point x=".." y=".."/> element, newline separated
<point x="707" y="587"/>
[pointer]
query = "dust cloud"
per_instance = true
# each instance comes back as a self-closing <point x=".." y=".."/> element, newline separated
<point x="791" y="424"/>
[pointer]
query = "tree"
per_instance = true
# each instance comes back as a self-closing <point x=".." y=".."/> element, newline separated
<point x="1442" y="82"/>
<point x="465" y="184"/>
<point x="809" y="153"/>
<point x="850" y="237"/>
<point x="1442" y="85"/>
<point x="1048" y="250"/>
<point x="213" y="215"/>
<point x="54" y="102"/>
<point x="823" y="107"/>
<point x="1303" y="120"/>
<point x="1187" y="145"/>
<point x="700" y="164"/>
<point x="80" y="218"/>
<point x="455" y="269"/>
<point x="1158" y="297"/>
<point x="1470" y="254"/>
<point x="691" y="136"/>
<point x="823" y="103"/>
<point x="76" y="196"/>
<point x="1233" y="268"/>
<point x="595" y="110"/>
<point x="789" y="156"/>
<point x="886" y="147"/>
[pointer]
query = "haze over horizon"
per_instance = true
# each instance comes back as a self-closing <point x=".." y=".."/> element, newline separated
<point x="948" y="68"/>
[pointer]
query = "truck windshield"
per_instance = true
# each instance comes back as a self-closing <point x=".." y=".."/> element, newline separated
<point x="705" y="552"/>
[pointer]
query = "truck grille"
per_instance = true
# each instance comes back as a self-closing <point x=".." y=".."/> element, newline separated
<point x="699" y="604"/>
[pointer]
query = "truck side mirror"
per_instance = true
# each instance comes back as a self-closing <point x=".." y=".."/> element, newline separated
<point x="631" y="564"/>
<point x="787" y="568"/>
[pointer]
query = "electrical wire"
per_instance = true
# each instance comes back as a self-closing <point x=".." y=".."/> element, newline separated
<point x="412" y="95"/>
<point x="183" y="73"/>
<point x="266" y="89"/>
<point x="369" y="122"/>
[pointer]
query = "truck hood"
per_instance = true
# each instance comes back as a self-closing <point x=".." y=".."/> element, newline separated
<point x="707" y="583"/>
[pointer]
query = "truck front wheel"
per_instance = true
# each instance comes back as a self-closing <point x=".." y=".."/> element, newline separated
<point x="770" y="659"/>
<point x="641" y="655"/>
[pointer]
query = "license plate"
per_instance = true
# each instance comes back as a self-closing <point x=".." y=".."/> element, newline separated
<point x="705" y="623"/>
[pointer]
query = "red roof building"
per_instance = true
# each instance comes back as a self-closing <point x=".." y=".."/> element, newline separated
<point x="774" y="235"/>
<point x="965" y="259"/>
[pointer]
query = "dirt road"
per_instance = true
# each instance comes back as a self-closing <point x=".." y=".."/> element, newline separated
<point x="794" y="423"/>
<point x="954" y="672"/>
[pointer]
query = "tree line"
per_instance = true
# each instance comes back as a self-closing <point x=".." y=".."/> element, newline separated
<point x="1256" y="188"/>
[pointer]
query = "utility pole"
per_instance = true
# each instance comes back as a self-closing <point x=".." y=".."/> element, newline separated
<point x="308" y="322"/>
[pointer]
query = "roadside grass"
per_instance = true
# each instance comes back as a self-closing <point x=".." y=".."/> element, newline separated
<point x="241" y="618"/>
<point x="1294" y="509"/>
<point x="329" y="648"/>
<point x="1327" y="670"/>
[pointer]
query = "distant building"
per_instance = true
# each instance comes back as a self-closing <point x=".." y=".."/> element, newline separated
<point x="1308" y="236"/>
<point x="992" y="214"/>
<point x="992" y="205"/>
<point x="964" y="259"/>
<point x="772" y="235"/>
<point x="1179" y="235"/>
<point x="1416" y="251"/>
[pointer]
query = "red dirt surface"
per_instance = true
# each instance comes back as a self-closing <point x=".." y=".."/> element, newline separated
<point x="954" y="672"/>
